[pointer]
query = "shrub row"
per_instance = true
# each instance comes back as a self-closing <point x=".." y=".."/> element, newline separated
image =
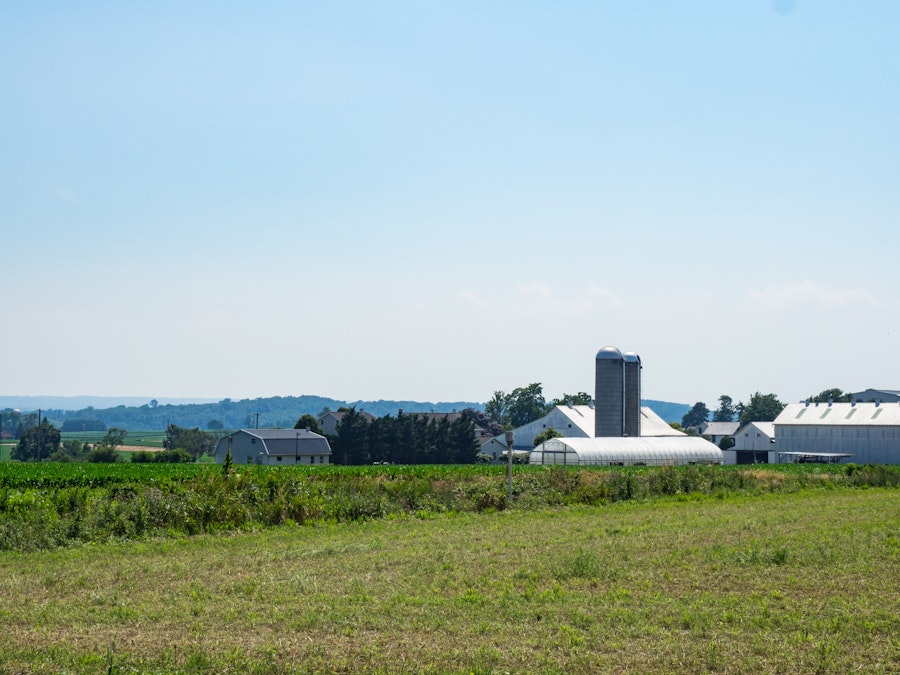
<point x="51" y="513"/>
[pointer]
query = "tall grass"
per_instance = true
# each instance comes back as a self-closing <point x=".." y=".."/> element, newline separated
<point x="48" y="505"/>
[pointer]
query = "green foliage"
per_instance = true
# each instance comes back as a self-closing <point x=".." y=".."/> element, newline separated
<point x="581" y="398"/>
<point x="36" y="443"/>
<point x="762" y="408"/>
<point x="519" y="407"/>
<point x="193" y="441"/>
<point x="77" y="425"/>
<point x="227" y="463"/>
<point x="309" y="422"/>
<point x="726" y="412"/>
<point x="114" y="438"/>
<point x="175" y="456"/>
<point x="833" y="395"/>
<point x="103" y="454"/>
<point x="403" y="439"/>
<point x="45" y="505"/>
<point x="696" y="416"/>
<point x="546" y="435"/>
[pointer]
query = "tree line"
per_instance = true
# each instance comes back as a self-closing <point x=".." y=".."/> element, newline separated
<point x="760" y="408"/>
<point x="44" y="442"/>
<point x="407" y="438"/>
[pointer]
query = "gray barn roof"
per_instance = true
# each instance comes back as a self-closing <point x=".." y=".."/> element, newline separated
<point x="290" y="441"/>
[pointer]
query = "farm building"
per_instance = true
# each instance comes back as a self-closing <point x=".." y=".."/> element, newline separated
<point x="274" y="446"/>
<point x="873" y="395"/>
<point x="716" y="432"/>
<point x="627" y="451"/>
<point x="864" y="433"/>
<point x="493" y="447"/>
<point x="577" y="421"/>
<point x="616" y="431"/>
<point x="754" y="443"/>
<point x="329" y="420"/>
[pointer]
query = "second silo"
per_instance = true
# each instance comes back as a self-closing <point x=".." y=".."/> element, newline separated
<point x="632" y="394"/>
<point x="609" y="393"/>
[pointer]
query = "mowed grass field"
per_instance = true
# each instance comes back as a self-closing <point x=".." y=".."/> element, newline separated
<point x="807" y="582"/>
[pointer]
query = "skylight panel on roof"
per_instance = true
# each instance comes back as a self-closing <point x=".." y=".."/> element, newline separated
<point x="824" y="414"/>
<point x="850" y="414"/>
<point x="802" y="410"/>
<point x="877" y="413"/>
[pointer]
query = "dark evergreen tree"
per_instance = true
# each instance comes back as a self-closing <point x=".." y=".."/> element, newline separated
<point x="696" y="416"/>
<point x="726" y="412"/>
<point x="352" y="442"/>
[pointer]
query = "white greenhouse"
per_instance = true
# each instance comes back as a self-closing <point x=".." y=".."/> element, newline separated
<point x="627" y="451"/>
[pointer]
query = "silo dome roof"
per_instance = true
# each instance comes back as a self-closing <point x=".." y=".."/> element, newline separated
<point x="631" y="357"/>
<point x="610" y="353"/>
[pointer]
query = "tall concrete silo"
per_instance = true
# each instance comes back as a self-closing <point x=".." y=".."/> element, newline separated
<point x="632" y="394"/>
<point x="609" y="393"/>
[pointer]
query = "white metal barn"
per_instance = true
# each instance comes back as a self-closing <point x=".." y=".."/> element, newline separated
<point x="627" y="451"/>
<point x="869" y="433"/>
<point x="274" y="446"/>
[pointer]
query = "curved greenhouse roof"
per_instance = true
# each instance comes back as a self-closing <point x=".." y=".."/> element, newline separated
<point x="627" y="451"/>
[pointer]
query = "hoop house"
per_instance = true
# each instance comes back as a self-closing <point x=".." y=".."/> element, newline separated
<point x="614" y="451"/>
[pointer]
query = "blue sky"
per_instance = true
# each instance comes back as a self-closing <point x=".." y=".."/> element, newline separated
<point x="435" y="200"/>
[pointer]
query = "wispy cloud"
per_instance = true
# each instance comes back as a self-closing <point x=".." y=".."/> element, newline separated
<point x="809" y="293"/>
<point x="67" y="195"/>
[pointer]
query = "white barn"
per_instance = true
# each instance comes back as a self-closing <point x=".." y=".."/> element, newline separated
<point x="754" y="443"/>
<point x="577" y="421"/>
<point x="868" y="432"/>
<point x="659" y="444"/>
<point x="274" y="446"/>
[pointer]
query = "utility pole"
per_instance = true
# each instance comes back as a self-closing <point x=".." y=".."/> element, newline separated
<point x="510" y="437"/>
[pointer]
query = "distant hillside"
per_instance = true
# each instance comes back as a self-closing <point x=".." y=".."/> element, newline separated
<point x="32" y="403"/>
<point x="670" y="412"/>
<point x="276" y="411"/>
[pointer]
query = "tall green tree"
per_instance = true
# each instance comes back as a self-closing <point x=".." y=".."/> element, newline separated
<point x="193" y="441"/>
<point x="726" y="412"/>
<point x="114" y="438"/>
<point x="37" y="443"/>
<point x="462" y="446"/>
<point x="696" y="416"/>
<point x="307" y="421"/>
<point x="352" y="441"/>
<point x="521" y="406"/>
<point x="762" y="408"/>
